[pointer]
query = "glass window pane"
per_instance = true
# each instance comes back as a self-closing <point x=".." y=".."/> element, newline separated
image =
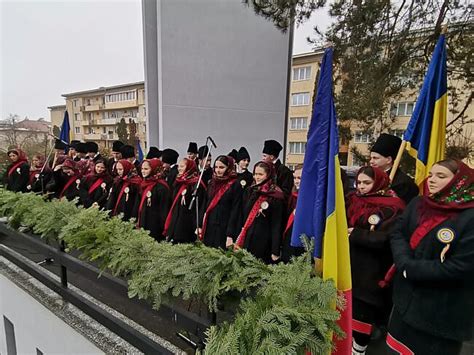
<point x="409" y="108"/>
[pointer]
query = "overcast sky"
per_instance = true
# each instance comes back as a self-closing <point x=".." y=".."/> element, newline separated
<point x="49" y="48"/>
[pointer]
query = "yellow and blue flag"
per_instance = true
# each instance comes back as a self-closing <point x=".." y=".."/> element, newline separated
<point x="426" y="132"/>
<point x="320" y="209"/>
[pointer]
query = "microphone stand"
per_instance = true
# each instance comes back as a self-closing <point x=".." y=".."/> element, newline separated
<point x="195" y="198"/>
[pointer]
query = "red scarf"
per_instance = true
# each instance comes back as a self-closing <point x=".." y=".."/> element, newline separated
<point x="95" y="185"/>
<point x="361" y="207"/>
<point x="21" y="159"/>
<point x="126" y="183"/>
<point x="215" y="200"/>
<point x="265" y="191"/>
<point x="68" y="183"/>
<point x="148" y="183"/>
<point x="291" y="218"/>
<point x="456" y="196"/>
<point x="188" y="178"/>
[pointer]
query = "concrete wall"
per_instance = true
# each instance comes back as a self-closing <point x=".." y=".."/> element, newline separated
<point x="213" y="68"/>
<point x="35" y="327"/>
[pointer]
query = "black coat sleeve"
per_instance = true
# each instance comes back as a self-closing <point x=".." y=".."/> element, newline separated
<point x="400" y="237"/>
<point x="285" y="179"/>
<point x="379" y="238"/>
<point x="278" y="212"/>
<point x="458" y="264"/>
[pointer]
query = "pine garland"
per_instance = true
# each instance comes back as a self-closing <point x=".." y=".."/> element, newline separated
<point x="285" y="308"/>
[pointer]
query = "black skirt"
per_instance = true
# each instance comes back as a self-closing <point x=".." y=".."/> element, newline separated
<point x="403" y="339"/>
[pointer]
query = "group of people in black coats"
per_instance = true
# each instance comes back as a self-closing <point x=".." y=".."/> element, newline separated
<point x="412" y="257"/>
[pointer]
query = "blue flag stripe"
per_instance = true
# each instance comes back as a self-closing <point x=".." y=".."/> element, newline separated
<point x="317" y="189"/>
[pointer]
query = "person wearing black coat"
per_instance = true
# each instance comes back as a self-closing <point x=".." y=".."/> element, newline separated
<point x="40" y="174"/>
<point x="372" y="209"/>
<point x="288" y="251"/>
<point x="95" y="186"/>
<point x="433" y="252"/>
<point x="66" y="181"/>
<point x="382" y="156"/>
<point x="243" y="160"/>
<point x="284" y="176"/>
<point x="223" y="196"/>
<point x="181" y="223"/>
<point x="261" y="216"/>
<point x="116" y="156"/>
<point x="204" y="164"/>
<point x="169" y="157"/>
<point x="17" y="175"/>
<point x="153" y="199"/>
<point x="124" y="190"/>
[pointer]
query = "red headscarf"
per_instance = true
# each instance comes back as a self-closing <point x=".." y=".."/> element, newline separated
<point x="268" y="187"/>
<point x="22" y="158"/>
<point x="156" y="174"/>
<point x="34" y="170"/>
<point x="127" y="169"/>
<point x="190" y="174"/>
<point x="361" y="207"/>
<point x="458" y="194"/>
<point x="217" y="182"/>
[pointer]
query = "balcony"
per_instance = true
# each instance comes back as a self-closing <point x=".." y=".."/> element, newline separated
<point x="92" y="136"/>
<point x="89" y="108"/>
<point x="121" y="104"/>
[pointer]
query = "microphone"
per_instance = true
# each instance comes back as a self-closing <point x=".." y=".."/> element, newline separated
<point x="212" y="141"/>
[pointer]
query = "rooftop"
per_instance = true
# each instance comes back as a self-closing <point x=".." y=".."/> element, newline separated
<point x="103" y="89"/>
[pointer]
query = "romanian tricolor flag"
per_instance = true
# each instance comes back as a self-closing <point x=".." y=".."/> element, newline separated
<point x="65" y="134"/>
<point x="320" y="209"/>
<point x="426" y="131"/>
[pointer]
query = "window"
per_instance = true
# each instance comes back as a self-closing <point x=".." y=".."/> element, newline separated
<point x="402" y="108"/>
<point x="77" y="129"/>
<point x="298" y="123"/>
<point x="104" y="130"/>
<point x="297" y="147"/>
<point x="123" y="96"/>
<point x="74" y="102"/>
<point x="300" y="99"/>
<point x="134" y="113"/>
<point x="88" y="102"/>
<point x="77" y="117"/>
<point x="303" y="73"/>
<point x="397" y="132"/>
<point x="361" y="137"/>
<point x="91" y="116"/>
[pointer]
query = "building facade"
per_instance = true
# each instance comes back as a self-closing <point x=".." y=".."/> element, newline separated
<point x="94" y="115"/>
<point x="305" y="69"/>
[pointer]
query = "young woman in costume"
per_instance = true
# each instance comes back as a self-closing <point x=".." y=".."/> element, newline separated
<point x="223" y="196"/>
<point x="124" y="190"/>
<point x="372" y="210"/>
<point x="433" y="251"/>
<point x="40" y="174"/>
<point x="17" y="175"/>
<point x="153" y="199"/>
<point x="95" y="186"/>
<point x="181" y="223"/>
<point x="262" y="215"/>
<point x="287" y="251"/>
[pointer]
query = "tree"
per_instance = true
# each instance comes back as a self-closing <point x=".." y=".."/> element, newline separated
<point x="122" y="131"/>
<point x="382" y="49"/>
<point x="132" y="139"/>
<point x="284" y="13"/>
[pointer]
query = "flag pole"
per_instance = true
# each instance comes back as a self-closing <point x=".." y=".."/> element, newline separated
<point x="396" y="163"/>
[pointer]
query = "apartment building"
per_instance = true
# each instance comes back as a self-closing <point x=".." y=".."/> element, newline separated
<point x="305" y="69"/>
<point x="95" y="114"/>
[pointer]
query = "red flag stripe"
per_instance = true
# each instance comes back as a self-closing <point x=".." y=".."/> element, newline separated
<point x="398" y="346"/>
<point x="361" y="327"/>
